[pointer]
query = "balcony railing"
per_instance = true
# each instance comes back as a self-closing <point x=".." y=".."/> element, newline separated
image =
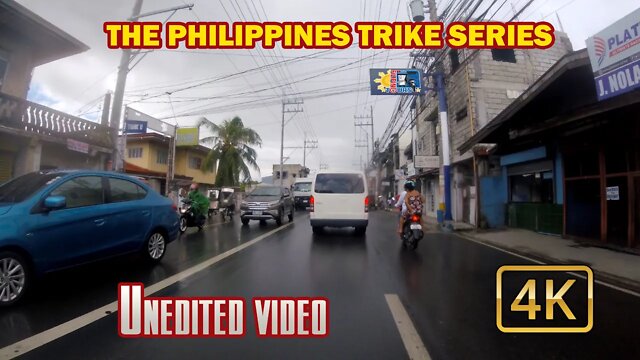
<point x="27" y="116"/>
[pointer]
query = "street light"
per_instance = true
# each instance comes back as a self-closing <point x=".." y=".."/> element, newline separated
<point x="417" y="10"/>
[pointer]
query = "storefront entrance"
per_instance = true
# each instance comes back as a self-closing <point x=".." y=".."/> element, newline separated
<point x="602" y="184"/>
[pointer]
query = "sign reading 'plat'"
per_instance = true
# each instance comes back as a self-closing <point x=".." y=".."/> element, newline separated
<point x="615" y="57"/>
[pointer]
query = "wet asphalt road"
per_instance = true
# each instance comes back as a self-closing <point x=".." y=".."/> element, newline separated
<point x="447" y="286"/>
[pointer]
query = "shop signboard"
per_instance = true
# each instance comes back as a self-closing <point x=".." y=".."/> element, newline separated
<point x="614" y="53"/>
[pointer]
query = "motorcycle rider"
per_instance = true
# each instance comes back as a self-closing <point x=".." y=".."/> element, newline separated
<point x="200" y="203"/>
<point x="412" y="203"/>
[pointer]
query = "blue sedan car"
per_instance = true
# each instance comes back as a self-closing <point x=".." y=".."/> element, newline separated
<point x="58" y="219"/>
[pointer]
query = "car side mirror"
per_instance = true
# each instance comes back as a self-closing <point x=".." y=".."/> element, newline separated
<point x="55" y="202"/>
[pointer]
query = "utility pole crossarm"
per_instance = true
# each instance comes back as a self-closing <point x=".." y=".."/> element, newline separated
<point x="288" y="106"/>
<point x="156" y="12"/>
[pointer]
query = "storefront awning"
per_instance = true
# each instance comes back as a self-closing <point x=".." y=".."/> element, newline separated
<point x="424" y="173"/>
<point x="130" y="168"/>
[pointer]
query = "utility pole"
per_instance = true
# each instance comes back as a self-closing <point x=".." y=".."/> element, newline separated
<point x="106" y="105"/>
<point x="363" y="144"/>
<point x="171" y="156"/>
<point x="294" y="107"/>
<point x="444" y="124"/>
<point x="118" y="95"/>
<point x="363" y="123"/>
<point x="308" y="144"/>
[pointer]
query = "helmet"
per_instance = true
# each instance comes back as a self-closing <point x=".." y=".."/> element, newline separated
<point x="194" y="186"/>
<point x="409" y="185"/>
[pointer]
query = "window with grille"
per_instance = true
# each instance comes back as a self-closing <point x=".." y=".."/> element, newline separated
<point x="195" y="162"/>
<point x="135" y="153"/>
<point x="454" y="58"/>
<point x="162" y="157"/>
<point x="504" y="55"/>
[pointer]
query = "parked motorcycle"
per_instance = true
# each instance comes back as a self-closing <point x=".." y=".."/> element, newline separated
<point x="412" y="232"/>
<point x="188" y="217"/>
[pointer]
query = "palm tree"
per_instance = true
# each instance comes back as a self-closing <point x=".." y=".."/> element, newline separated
<point x="231" y="153"/>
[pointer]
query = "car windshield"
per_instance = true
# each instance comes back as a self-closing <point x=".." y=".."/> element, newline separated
<point x="266" y="191"/>
<point x="21" y="188"/>
<point x="302" y="187"/>
<point x="339" y="183"/>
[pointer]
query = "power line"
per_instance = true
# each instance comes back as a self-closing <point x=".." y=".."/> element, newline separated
<point x="335" y="69"/>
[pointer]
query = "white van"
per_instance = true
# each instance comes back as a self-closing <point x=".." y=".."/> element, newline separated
<point x="339" y="199"/>
<point x="302" y="192"/>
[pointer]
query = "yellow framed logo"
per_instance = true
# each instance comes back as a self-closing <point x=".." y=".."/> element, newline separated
<point x="554" y="305"/>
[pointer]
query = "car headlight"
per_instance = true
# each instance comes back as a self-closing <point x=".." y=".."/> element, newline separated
<point x="273" y="203"/>
<point x="244" y="204"/>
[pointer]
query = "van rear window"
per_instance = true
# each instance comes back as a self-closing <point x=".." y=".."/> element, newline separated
<point x="339" y="184"/>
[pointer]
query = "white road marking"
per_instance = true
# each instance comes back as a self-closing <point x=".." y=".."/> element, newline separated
<point x="410" y="338"/>
<point x="56" y="332"/>
<point x="600" y="282"/>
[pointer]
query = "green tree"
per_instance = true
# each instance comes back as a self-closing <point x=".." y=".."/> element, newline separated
<point x="231" y="154"/>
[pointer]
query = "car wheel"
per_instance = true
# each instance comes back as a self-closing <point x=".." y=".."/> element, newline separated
<point x="155" y="247"/>
<point x="291" y="215"/>
<point x="361" y="230"/>
<point x="317" y="229"/>
<point x="279" y="219"/>
<point x="183" y="224"/>
<point x="244" y="221"/>
<point x="14" y="278"/>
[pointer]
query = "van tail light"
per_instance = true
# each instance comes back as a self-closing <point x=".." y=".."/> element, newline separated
<point x="312" y="203"/>
<point x="366" y="204"/>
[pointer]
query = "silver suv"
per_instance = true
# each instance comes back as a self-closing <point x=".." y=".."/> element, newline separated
<point x="266" y="203"/>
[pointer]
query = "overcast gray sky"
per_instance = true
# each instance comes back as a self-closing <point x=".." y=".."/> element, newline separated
<point x="76" y="84"/>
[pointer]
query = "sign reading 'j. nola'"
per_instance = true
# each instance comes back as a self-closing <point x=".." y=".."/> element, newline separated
<point x="615" y="57"/>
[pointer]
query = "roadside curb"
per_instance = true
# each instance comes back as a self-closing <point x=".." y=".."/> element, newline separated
<point x="599" y="275"/>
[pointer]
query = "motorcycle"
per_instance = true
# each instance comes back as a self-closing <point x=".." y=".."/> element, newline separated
<point x="227" y="213"/>
<point x="412" y="232"/>
<point x="188" y="217"/>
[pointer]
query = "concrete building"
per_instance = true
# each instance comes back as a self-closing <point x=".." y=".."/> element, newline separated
<point x="563" y="162"/>
<point x="479" y="85"/>
<point x="147" y="156"/>
<point x="33" y="136"/>
<point x="290" y="172"/>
